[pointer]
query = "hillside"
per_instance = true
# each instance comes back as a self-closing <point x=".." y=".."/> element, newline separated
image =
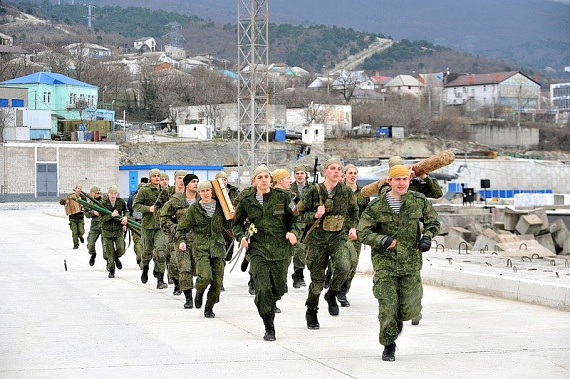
<point x="485" y="27"/>
<point x="309" y="47"/>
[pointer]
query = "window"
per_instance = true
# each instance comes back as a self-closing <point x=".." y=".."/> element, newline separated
<point x="90" y="100"/>
<point x="4" y="103"/>
<point x="47" y="97"/>
<point x="484" y="88"/>
<point x="72" y="98"/>
<point x="17" y="103"/>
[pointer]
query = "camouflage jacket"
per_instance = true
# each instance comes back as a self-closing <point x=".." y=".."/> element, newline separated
<point x="207" y="232"/>
<point x="340" y="202"/>
<point x="379" y="220"/>
<point x="170" y="212"/>
<point x="108" y="223"/>
<point x="145" y="198"/>
<point x="233" y="193"/>
<point x="361" y="201"/>
<point x="295" y="189"/>
<point x="89" y="212"/>
<point x="273" y="220"/>
<point x="164" y="195"/>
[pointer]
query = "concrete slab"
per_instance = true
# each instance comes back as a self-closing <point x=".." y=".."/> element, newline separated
<point x="79" y="323"/>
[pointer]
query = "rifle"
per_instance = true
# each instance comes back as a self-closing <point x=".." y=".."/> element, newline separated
<point x="315" y="171"/>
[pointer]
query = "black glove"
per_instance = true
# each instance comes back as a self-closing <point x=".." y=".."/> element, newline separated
<point x="425" y="244"/>
<point x="244" y="264"/>
<point x="386" y="241"/>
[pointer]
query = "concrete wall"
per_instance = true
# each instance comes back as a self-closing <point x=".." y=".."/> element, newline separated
<point x="86" y="164"/>
<point x="513" y="173"/>
<point x="493" y="135"/>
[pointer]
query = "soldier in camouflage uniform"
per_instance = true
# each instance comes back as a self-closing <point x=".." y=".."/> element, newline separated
<point x="330" y="208"/>
<point x="299" y="187"/>
<point x="233" y="193"/>
<point x="205" y="218"/>
<point x="247" y="191"/>
<point x="136" y="216"/>
<point x="112" y="229"/>
<point x="95" y="227"/>
<point x="353" y="246"/>
<point x="422" y="184"/>
<point x="168" y="222"/>
<point x="185" y="260"/>
<point x="391" y="225"/>
<point x="152" y="235"/>
<point x="273" y="214"/>
<point x="76" y="220"/>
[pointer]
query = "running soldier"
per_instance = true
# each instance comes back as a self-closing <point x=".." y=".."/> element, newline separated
<point x="299" y="187"/>
<point x="112" y="229"/>
<point x="75" y="214"/>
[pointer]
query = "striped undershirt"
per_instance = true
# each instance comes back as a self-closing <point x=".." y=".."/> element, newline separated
<point x="259" y="198"/>
<point x="395" y="204"/>
<point x="209" y="208"/>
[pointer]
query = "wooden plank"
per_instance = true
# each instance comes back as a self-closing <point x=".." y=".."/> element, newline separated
<point x="223" y="198"/>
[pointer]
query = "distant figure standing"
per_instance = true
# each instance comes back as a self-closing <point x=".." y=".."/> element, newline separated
<point x="74" y="210"/>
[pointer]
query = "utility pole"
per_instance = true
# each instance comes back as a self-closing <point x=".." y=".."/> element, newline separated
<point x="252" y="98"/>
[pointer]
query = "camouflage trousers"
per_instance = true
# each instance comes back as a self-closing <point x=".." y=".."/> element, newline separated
<point x="299" y="256"/>
<point x="138" y="247"/>
<point x="171" y="252"/>
<point x="320" y="248"/>
<point x="353" y="248"/>
<point x="77" y="230"/>
<point x="269" y="280"/>
<point x="94" y="233"/>
<point x="186" y="267"/>
<point x="153" y="248"/>
<point x="114" y="243"/>
<point x="210" y="272"/>
<point x="399" y="299"/>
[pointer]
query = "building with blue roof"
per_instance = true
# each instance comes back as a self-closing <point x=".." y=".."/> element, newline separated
<point x="65" y="97"/>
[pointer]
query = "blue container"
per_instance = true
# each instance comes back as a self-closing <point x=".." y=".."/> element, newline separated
<point x="88" y="136"/>
<point x="383" y="132"/>
<point x="279" y="134"/>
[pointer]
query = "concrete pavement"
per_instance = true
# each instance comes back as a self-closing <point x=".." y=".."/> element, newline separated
<point x="79" y="323"/>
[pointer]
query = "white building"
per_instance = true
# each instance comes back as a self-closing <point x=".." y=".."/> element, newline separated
<point x="336" y="119"/>
<point x="145" y="44"/>
<point x="197" y="131"/>
<point x="313" y="134"/>
<point x="560" y="95"/>
<point x="510" y="89"/>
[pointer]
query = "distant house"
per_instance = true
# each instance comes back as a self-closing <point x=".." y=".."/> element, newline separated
<point x="90" y="50"/>
<point x="65" y="97"/>
<point x="145" y="44"/>
<point x="380" y="82"/>
<point x="404" y="85"/>
<point x="160" y="57"/>
<point x="176" y="53"/>
<point x="511" y="89"/>
<point x="6" y="40"/>
<point x="189" y="64"/>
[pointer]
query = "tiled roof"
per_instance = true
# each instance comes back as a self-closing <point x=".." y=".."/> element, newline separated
<point x="479" y="79"/>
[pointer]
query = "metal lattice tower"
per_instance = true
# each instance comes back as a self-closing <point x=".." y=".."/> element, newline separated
<point x="253" y="61"/>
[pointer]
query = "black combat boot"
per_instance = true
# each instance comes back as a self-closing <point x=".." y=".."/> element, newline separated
<point x="144" y="275"/>
<point x="244" y="265"/>
<point x="112" y="274"/>
<point x="311" y="317"/>
<point x="209" y="312"/>
<point x="81" y="239"/>
<point x="92" y="259"/>
<point x="301" y="277"/>
<point x="330" y="297"/>
<point x="189" y="303"/>
<point x="341" y="297"/>
<point x="275" y="309"/>
<point x="160" y="281"/>
<point x="295" y="278"/>
<point x="177" y="290"/>
<point x="118" y="263"/>
<point x="389" y="352"/>
<point x="269" y="326"/>
<point x="198" y="300"/>
<point x="250" y="286"/>
<point x="416" y="321"/>
<point x="399" y="326"/>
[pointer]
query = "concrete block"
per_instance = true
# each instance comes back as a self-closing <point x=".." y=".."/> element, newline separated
<point x="502" y="238"/>
<point x="490" y="233"/>
<point x="484" y="243"/>
<point x="459" y="232"/>
<point x="525" y="237"/>
<point x="566" y="247"/>
<point x="511" y="217"/>
<point x="559" y="232"/>
<point x="529" y="224"/>
<point x="520" y="249"/>
<point x="541" y="213"/>
<point x="453" y="242"/>
<point x="546" y="241"/>
<point x="498" y="225"/>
